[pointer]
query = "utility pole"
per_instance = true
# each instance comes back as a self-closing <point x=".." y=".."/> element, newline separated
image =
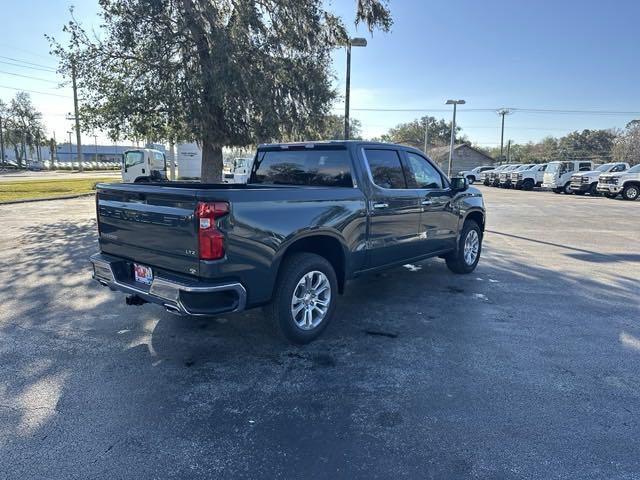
<point x="1" y="142"/>
<point x="509" y="151"/>
<point x="426" y="134"/>
<point x="95" y="140"/>
<point x="502" y="112"/>
<point x="77" y="117"/>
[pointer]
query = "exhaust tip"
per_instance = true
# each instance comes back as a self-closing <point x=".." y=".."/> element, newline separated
<point x="172" y="309"/>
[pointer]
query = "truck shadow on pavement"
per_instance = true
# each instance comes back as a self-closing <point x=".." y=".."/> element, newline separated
<point x="417" y="362"/>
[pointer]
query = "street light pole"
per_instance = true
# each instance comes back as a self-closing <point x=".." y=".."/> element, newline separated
<point x="455" y="103"/>
<point x="502" y="113"/>
<point x="355" y="42"/>
<point x="95" y="140"/>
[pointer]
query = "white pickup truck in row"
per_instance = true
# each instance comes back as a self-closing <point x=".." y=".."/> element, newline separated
<point x="626" y="183"/>
<point x="529" y="178"/>
<point x="587" y="182"/>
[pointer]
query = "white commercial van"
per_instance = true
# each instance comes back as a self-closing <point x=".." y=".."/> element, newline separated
<point x="557" y="175"/>
<point x="144" y="165"/>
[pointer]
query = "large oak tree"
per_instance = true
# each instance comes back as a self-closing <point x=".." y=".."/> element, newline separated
<point x="221" y="72"/>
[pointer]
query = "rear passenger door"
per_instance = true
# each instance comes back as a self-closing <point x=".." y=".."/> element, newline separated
<point x="394" y="209"/>
<point x="438" y="222"/>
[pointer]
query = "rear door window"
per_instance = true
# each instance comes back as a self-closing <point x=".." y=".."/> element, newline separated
<point x="308" y="167"/>
<point x="386" y="169"/>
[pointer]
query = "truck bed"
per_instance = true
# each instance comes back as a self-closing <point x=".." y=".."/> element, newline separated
<point x="155" y="225"/>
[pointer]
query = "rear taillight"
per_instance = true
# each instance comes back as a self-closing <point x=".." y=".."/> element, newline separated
<point x="210" y="239"/>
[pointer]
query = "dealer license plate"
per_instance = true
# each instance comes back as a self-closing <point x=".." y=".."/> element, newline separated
<point x="142" y="274"/>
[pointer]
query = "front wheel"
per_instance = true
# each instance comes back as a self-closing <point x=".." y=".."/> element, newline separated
<point x="610" y="195"/>
<point x="304" y="298"/>
<point x="471" y="179"/>
<point x="466" y="257"/>
<point x="528" y="184"/>
<point x="593" y="190"/>
<point x="631" y="192"/>
<point x="567" y="189"/>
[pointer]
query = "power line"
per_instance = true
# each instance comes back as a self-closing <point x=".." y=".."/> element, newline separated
<point x="35" y="91"/>
<point x="48" y="70"/>
<point x="19" y="49"/>
<point x="29" y="76"/>
<point x="515" y="109"/>
<point x="27" y="63"/>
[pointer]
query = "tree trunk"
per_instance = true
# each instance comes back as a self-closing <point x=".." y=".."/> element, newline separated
<point x="211" y="168"/>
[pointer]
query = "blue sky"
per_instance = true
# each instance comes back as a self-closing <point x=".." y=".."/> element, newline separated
<point x="567" y="55"/>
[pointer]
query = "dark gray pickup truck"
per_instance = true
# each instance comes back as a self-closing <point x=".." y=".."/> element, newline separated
<point x="312" y="216"/>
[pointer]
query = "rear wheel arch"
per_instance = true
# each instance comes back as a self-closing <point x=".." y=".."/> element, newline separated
<point x="325" y="245"/>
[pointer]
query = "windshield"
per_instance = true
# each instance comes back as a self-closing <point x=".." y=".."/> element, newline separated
<point x="553" y="167"/>
<point x="635" y="169"/>
<point x="605" y="168"/>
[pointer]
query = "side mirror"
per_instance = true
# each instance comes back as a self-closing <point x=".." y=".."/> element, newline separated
<point x="459" y="184"/>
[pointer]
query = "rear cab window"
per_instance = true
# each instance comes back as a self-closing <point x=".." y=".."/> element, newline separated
<point x="304" y="167"/>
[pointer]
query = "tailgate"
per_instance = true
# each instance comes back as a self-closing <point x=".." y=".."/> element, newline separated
<point x="150" y="224"/>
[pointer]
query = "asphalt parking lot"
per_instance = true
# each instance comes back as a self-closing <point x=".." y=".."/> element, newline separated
<point x="527" y="368"/>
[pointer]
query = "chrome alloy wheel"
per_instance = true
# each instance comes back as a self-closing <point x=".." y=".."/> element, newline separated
<point x="471" y="247"/>
<point x="310" y="300"/>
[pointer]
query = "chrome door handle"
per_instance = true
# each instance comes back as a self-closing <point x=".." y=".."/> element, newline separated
<point x="380" y="205"/>
<point x="426" y="202"/>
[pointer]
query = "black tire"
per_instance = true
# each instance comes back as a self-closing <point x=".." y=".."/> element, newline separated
<point x="610" y="195"/>
<point x="141" y="180"/>
<point x="292" y="271"/>
<point x="567" y="189"/>
<point x="557" y="190"/>
<point x="456" y="260"/>
<point x="593" y="190"/>
<point x="631" y="192"/>
<point x="471" y="179"/>
<point x="578" y="192"/>
<point x="528" y="184"/>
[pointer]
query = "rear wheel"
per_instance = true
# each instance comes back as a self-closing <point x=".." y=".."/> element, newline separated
<point x="631" y="192"/>
<point x="528" y="184"/>
<point x="611" y="195"/>
<point x="304" y="298"/>
<point x="557" y="190"/>
<point x="466" y="257"/>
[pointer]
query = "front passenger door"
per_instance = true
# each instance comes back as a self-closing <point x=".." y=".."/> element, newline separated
<point x="394" y="210"/>
<point x="438" y="221"/>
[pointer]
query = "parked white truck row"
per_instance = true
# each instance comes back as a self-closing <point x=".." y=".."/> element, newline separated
<point x="569" y="177"/>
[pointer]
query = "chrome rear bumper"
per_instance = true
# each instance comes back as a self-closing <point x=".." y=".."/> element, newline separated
<point x="181" y="298"/>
